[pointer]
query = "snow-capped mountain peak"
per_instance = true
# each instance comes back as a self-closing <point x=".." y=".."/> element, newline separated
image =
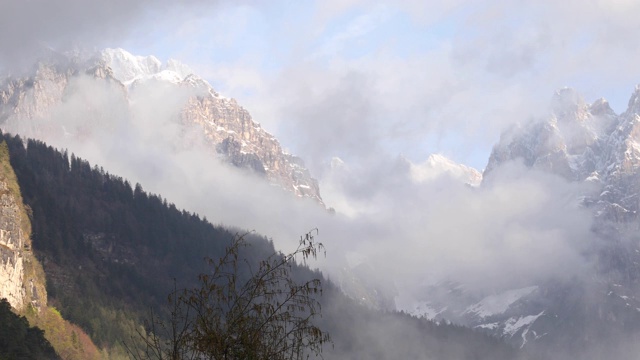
<point x="588" y="144"/>
<point x="128" y="68"/>
<point x="601" y="107"/>
<point x="127" y="84"/>
<point x="568" y="103"/>
<point x="437" y="165"/>
<point x="565" y="142"/>
<point x="179" y="68"/>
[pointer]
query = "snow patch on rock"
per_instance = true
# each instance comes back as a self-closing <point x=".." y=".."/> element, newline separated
<point x="438" y="165"/>
<point x="499" y="303"/>
<point x="128" y="68"/>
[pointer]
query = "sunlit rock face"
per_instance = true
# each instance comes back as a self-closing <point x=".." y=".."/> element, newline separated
<point x="21" y="279"/>
<point x="106" y="91"/>
<point x="235" y="135"/>
<point x="12" y="242"/>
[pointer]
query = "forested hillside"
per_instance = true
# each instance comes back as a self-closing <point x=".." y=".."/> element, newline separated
<point x="111" y="252"/>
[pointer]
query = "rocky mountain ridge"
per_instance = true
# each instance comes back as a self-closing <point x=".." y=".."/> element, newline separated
<point x="29" y="105"/>
<point x="598" y="150"/>
<point x="584" y="143"/>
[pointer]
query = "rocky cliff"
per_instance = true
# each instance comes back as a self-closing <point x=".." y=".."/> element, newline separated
<point x="245" y="144"/>
<point x="107" y="88"/>
<point x="21" y="276"/>
<point x="229" y="129"/>
<point x="584" y="143"/>
<point x="591" y="146"/>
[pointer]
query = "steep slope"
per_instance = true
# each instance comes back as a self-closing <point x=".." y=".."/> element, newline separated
<point x="112" y="92"/>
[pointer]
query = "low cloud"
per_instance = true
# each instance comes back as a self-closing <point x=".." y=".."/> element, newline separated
<point x="415" y="232"/>
<point x="520" y="229"/>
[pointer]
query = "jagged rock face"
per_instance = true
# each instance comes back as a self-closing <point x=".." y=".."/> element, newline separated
<point x="564" y="144"/>
<point x="26" y="106"/>
<point x="33" y="97"/>
<point x="21" y="278"/>
<point x="12" y="243"/>
<point x="228" y="127"/>
<point x="584" y="144"/>
<point x="244" y="143"/>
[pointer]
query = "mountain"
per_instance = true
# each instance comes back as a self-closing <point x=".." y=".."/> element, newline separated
<point x="584" y="143"/>
<point x="437" y="165"/>
<point x="72" y="97"/>
<point x="598" y="151"/>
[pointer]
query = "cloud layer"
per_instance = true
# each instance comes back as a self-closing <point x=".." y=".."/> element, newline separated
<point x="415" y="232"/>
